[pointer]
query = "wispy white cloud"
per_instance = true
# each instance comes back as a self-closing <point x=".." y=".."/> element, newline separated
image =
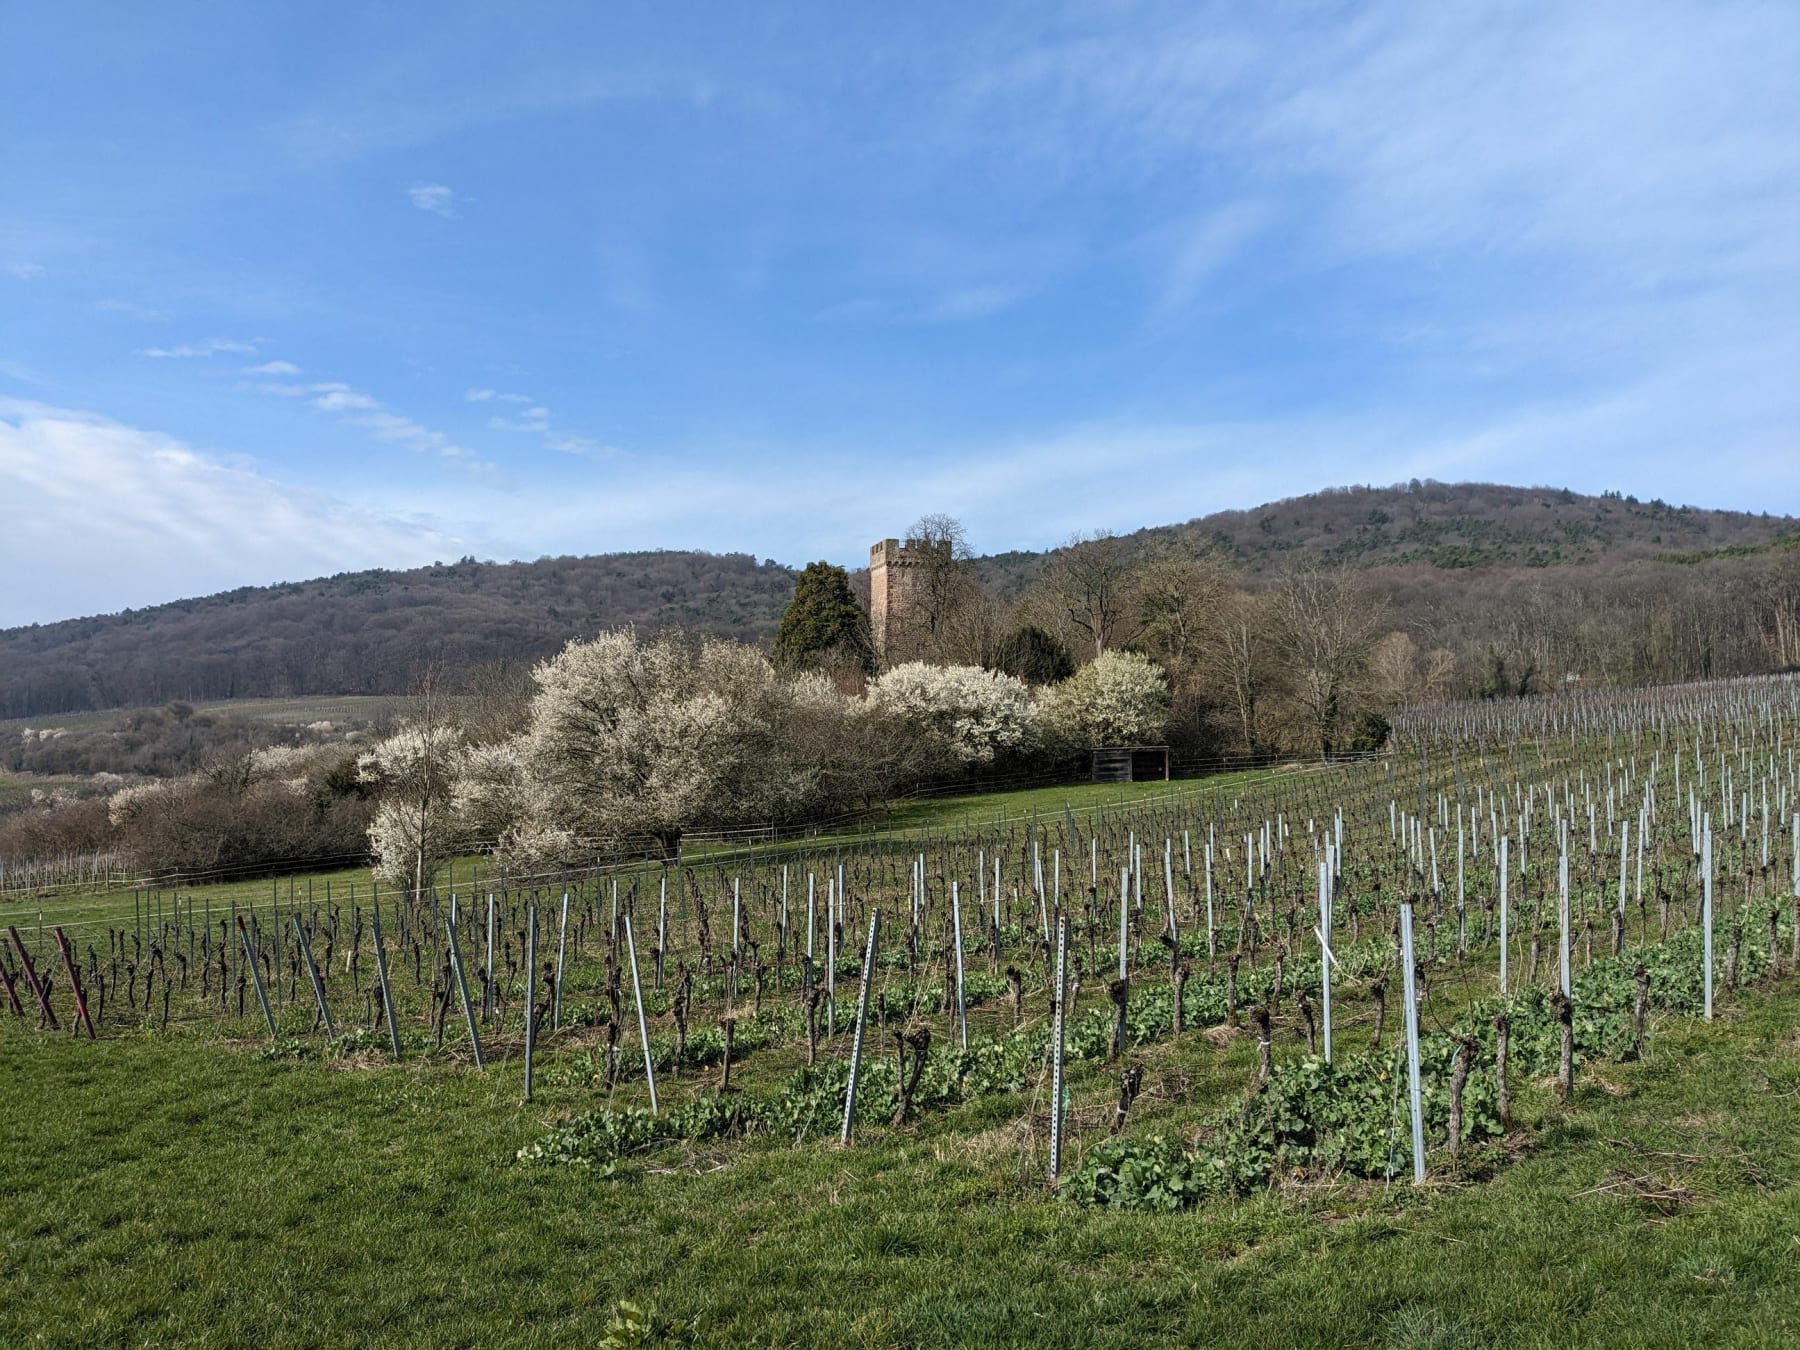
<point x="363" y="410"/>
<point x="1586" y="150"/>
<point x="433" y="197"/>
<point x="534" y="420"/>
<point x="68" y="474"/>
<point x="334" y="398"/>
<point x="208" y="347"/>
<point x="26" y="271"/>
<point x="273" y="368"/>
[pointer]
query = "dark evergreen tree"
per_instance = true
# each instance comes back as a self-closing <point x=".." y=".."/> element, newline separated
<point x="1034" y="656"/>
<point x="824" y="625"/>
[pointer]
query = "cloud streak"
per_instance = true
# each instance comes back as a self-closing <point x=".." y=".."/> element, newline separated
<point x="358" y="409"/>
<point x="189" y="351"/>
<point x="534" y="420"/>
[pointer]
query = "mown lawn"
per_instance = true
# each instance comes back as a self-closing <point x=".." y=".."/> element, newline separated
<point x="181" y="1187"/>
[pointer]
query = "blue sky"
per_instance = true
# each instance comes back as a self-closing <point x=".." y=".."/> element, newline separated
<point x="287" y="290"/>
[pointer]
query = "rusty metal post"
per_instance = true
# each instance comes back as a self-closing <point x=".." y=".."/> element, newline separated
<point x="68" y="960"/>
<point x="31" y="979"/>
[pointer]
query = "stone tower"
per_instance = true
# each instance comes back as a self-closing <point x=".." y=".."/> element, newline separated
<point x="896" y="572"/>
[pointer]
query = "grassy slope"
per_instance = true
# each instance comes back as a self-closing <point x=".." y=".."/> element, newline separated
<point x="155" y="1189"/>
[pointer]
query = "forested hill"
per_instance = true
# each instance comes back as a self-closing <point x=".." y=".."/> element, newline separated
<point x="1450" y="526"/>
<point x="1455" y="561"/>
<point x="370" y="632"/>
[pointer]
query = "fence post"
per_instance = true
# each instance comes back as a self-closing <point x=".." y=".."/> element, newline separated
<point x="262" y="996"/>
<point x="1412" y="1040"/>
<point x="562" y="943"/>
<point x="68" y="960"/>
<point x="1325" y="956"/>
<point x="637" y="994"/>
<point x="487" y="985"/>
<point x="312" y="972"/>
<point x="862" y="1016"/>
<point x="530" y="990"/>
<point x="1562" y="920"/>
<point x="462" y="989"/>
<point x="1056" y="1048"/>
<point x="381" y="973"/>
<point x="1706" y="912"/>
<point x="1504" y="841"/>
<point x="962" y="1007"/>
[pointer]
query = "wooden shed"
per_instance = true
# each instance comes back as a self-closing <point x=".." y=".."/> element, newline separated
<point x="1131" y="764"/>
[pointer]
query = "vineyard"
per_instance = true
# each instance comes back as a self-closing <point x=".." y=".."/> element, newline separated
<point x="1034" y="1062"/>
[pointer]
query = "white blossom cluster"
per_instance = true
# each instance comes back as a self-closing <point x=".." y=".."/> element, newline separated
<point x="1119" y="698"/>
<point x="975" y="712"/>
<point x="640" y="742"/>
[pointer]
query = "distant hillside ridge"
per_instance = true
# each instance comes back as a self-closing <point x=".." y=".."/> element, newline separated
<point x="1456" y="563"/>
<point x="371" y="632"/>
<point x="1450" y="527"/>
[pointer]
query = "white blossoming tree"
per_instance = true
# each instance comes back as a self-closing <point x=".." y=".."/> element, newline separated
<point x="634" y="741"/>
<point x="1119" y="698"/>
<point x="972" y="713"/>
<point x="414" y="771"/>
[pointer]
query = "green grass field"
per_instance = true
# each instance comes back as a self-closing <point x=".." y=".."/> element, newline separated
<point x="160" y="1189"/>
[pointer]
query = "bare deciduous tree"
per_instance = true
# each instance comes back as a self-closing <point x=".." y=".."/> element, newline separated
<point x="1239" y="658"/>
<point x="1089" y="590"/>
<point x="1325" y="627"/>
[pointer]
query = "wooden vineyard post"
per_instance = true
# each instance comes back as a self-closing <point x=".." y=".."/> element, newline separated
<point x="381" y="974"/>
<point x="1056" y="1048"/>
<point x="530" y="991"/>
<point x="255" y="975"/>
<point x="1412" y="1040"/>
<point x="562" y="946"/>
<point x="1706" y="915"/>
<point x="862" y="1017"/>
<point x="312" y="972"/>
<point x="637" y="995"/>
<point x="462" y="989"/>
<point x="962" y="1007"/>
<point x="68" y="960"/>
